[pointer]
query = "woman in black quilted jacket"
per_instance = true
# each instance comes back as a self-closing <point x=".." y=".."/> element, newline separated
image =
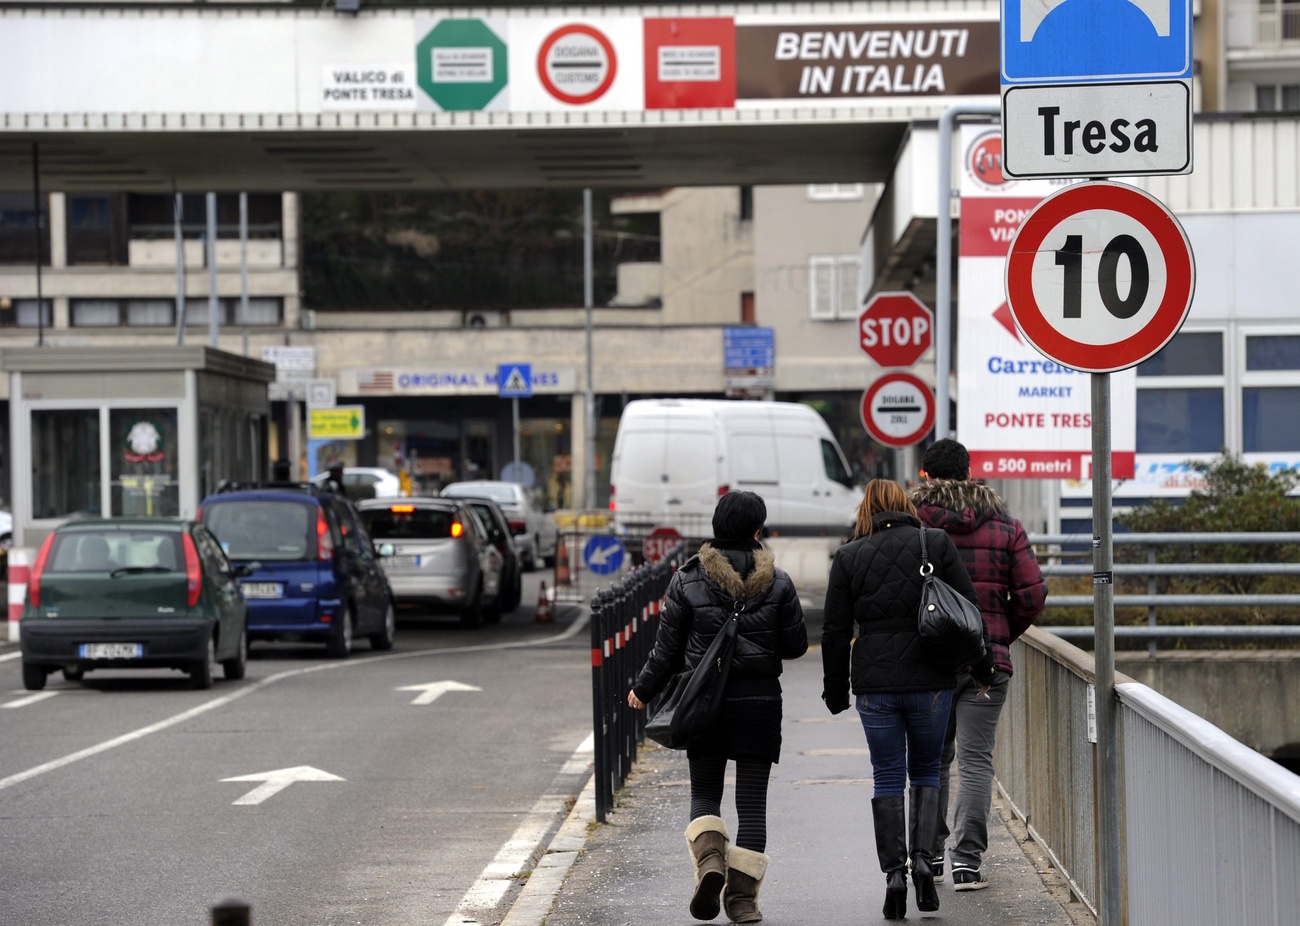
<point x="903" y="696"/>
<point x="733" y="574"/>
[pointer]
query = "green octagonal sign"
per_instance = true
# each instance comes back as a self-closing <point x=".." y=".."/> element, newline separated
<point x="461" y="64"/>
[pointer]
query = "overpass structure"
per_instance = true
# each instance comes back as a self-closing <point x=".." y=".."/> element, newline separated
<point x="273" y="97"/>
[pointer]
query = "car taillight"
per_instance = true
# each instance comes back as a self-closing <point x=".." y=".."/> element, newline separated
<point x="519" y="527"/>
<point x="457" y="528"/>
<point x="613" y="506"/>
<point x="193" y="575"/>
<point x="324" y="543"/>
<point x="34" y="577"/>
<point x="401" y="509"/>
<point x="723" y="490"/>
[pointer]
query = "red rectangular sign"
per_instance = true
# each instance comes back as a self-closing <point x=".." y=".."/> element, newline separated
<point x="690" y="63"/>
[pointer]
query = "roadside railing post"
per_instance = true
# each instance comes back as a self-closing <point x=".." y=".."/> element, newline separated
<point x="599" y="674"/>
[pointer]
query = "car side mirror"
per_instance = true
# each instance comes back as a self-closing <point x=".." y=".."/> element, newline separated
<point x="386" y="549"/>
<point x="246" y="569"/>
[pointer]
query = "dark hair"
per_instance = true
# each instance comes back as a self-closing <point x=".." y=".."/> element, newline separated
<point x="880" y="495"/>
<point x="946" y="459"/>
<point x="739" y="515"/>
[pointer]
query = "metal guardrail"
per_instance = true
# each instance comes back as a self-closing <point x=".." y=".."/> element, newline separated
<point x="1210" y="830"/>
<point x="1056" y="549"/>
<point x="624" y="619"/>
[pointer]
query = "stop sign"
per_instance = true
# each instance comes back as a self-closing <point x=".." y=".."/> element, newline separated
<point x="895" y="329"/>
<point x="659" y="542"/>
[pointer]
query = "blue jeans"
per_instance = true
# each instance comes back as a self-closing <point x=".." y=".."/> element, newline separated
<point x="905" y="731"/>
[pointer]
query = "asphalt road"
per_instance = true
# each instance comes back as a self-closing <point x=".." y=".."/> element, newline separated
<point x="128" y="798"/>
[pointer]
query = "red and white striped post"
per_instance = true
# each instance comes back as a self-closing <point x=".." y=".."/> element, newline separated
<point x="19" y="570"/>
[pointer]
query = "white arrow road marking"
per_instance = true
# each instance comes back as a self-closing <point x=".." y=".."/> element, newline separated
<point x="435" y="690"/>
<point x="277" y="781"/>
<point x="30" y="699"/>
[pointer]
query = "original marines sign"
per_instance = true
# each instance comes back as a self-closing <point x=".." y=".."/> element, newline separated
<point x="864" y="60"/>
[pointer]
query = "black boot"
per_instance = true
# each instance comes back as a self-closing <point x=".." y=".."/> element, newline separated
<point x="924" y="826"/>
<point x="891" y="846"/>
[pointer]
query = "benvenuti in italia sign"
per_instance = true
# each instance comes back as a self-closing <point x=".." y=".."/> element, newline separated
<point x="866" y="60"/>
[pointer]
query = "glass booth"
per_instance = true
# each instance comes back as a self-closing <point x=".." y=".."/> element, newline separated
<point x="129" y="431"/>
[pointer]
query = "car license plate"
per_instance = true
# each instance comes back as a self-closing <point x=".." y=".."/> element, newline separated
<point x="405" y="561"/>
<point x="263" y="590"/>
<point x="111" y="650"/>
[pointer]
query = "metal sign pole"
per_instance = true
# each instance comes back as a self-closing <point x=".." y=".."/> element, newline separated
<point x="1103" y="558"/>
<point x="514" y="420"/>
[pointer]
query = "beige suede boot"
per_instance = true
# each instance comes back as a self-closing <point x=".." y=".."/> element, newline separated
<point x="745" y="871"/>
<point x="707" y="839"/>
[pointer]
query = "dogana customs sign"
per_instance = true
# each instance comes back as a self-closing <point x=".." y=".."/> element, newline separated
<point x="1096" y="90"/>
<point x="898" y="410"/>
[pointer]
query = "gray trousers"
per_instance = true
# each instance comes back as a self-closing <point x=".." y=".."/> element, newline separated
<point x="972" y="727"/>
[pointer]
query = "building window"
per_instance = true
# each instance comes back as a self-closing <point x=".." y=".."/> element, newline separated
<point x="833" y="287"/>
<point x="96" y="230"/>
<point x="1270" y="393"/>
<point x="95" y="313"/>
<point x="18" y="223"/>
<point x="21" y="313"/>
<point x="827" y="192"/>
<point x="1180" y="397"/>
<point x="66" y="474"/>
<point x="153" y="313"/>
<point x="153" y="215"/>
<point x="1277" y="98"/>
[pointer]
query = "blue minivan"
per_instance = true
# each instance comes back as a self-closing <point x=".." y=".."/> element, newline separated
<point x="319" y="577"/>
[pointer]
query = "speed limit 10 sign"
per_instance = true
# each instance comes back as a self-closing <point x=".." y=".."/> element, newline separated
<point x="1100" y="276"/>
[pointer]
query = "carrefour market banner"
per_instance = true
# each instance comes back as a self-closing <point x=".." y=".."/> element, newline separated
<point x="1020" y="414"/>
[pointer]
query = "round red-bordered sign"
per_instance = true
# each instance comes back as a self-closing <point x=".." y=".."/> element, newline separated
<point x="898" y="409"/>
<point x="1100" y="276"/>
<point x="577" y="52"/>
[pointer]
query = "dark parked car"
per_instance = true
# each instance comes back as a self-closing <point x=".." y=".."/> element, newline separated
<point x="498" y="531"/>
<point x="437" y="555"/>
<point x="318" y="575"/>
<point x="125" y="593"/>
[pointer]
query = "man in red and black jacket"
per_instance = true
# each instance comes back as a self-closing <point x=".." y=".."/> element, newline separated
<point x="995" y="549"/>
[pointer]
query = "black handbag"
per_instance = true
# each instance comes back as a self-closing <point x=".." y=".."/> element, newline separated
<point x="692" y="701"/>
<point x="951" y="627"/>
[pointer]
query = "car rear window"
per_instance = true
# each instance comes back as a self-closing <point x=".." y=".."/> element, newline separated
<point x="105" y="551"/>
<point x="499" y="494"/>
<point x="408" y="522"/>
<point x="263" y="529"/>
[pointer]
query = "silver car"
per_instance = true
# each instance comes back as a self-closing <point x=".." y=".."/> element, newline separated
<point x="535" y="531"/>
<point x="437" y="555"/>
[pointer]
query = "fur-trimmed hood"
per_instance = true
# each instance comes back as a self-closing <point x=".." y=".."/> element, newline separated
<point x="718" y="567"/>
<point x="964" y="504"/>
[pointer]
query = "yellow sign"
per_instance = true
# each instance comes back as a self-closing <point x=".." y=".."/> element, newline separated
<point x="342" y="422"/>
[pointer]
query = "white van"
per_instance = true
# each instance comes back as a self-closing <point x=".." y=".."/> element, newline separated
<point x="673" y="458"/>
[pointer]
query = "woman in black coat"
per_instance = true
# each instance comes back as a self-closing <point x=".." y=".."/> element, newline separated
<point x="903" y="696"/>
<point x="732" y="575"/>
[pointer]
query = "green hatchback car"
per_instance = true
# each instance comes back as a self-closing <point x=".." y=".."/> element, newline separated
<point x="126" y="593"/>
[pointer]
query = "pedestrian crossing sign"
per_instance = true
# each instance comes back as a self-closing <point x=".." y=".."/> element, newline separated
<point x="515" y="380"/>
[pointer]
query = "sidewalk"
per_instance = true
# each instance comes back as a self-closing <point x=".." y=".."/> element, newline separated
<point x="634" y="869"/>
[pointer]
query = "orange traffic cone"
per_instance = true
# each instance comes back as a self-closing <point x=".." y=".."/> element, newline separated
<point x="545" y="614"/>
<point x="562" y="576"/>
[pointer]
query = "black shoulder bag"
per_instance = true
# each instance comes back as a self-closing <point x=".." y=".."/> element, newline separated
<point x="692" y="701"/>
<point x="951" y="627"/>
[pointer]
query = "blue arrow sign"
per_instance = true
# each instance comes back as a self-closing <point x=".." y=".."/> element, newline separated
<point x="515" y="380"/>
<point x="1089" y="41"/>
<point x="603" y="554"/>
